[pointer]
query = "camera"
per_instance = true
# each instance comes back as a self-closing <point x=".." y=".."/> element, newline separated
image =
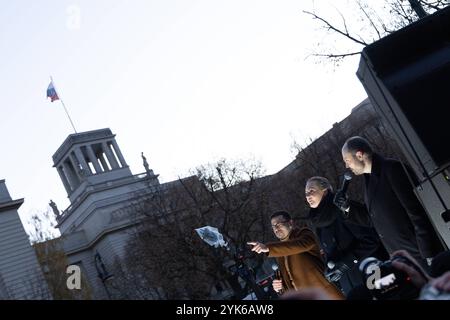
<point x="385" y="282"/>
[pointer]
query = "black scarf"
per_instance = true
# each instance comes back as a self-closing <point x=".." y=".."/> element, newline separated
<point x="325" y="213"/>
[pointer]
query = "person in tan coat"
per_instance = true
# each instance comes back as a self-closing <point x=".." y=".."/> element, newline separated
<point x="298" y="256"/>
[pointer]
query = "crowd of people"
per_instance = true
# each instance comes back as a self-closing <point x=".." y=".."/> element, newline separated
<point x="385" y="248"/>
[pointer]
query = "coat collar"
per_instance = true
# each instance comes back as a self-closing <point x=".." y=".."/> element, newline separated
<point x="294" y="233"/>
<point x="324" y="214"/>
<point x="373" y="178"/>
<point x="377" y="162"/>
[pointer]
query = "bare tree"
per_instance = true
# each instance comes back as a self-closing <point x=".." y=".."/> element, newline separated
<point x="42" y="227"/>
<point x="364" y="22"/>
<point x="53" y="261"/>
<point x="166" y="259"/>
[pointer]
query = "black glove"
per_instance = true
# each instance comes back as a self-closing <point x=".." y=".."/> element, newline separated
<point x="337" y="273"/>
<point x="341" y="201"/>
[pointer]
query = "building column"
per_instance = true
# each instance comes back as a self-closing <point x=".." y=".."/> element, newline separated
<point x="79" y="155"/>
<point x="93" y="159"/>
<point x="69" y="175"/>
<point x="103" y="162"/>
<point x="64" y="179"/>
<point x="111" y="157"/>
<point x="76" y="166"/>
<point x="119" y="154"/>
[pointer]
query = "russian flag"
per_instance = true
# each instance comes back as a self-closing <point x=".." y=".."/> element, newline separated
<point x="51" y="92"/>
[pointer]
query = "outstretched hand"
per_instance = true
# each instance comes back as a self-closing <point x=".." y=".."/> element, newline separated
<point x="258" y="247"/>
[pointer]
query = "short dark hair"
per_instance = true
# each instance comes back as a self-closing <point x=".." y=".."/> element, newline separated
<point x="356" y="143"/>
<point x="283" y="214"/>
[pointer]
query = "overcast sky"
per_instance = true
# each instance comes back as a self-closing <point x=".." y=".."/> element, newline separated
<point x="186" y="82"/>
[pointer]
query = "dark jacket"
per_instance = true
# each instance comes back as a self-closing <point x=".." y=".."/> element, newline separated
<point x="300" y="262"/>
<point x="396" y="213"/>
<point x="346" y="240"/>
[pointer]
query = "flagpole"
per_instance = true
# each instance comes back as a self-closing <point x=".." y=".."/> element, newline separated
<point x="62" y="102"/>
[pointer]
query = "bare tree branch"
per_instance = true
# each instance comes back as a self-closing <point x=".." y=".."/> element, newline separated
<point x="339" y="55"/>
<point x="361" y="7"/>
<point x="374" y="21"/>
<point x="335" y="29"/>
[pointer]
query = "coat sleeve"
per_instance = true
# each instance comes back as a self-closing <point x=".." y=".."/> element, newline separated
<point x="305" y="241"/>
<point x="427" y="240"/>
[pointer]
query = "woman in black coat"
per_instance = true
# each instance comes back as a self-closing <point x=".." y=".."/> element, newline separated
<point x="346" y="239"/>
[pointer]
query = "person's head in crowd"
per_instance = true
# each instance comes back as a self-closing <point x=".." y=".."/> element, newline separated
<point x="417" y="274"/>
<point x="434" y="287"/>
<point x="439" y="279"/>
<point x="357" y="155"/>
<point x="440" y="264"/>
<point x="442" y="283"/>
<point x="282" y="224"/>
<point x="307" y="294"/>
<point x="316" y="188"/>
<point x="360" y="292"/>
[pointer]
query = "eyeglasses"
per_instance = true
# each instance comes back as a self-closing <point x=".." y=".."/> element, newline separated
<point x="276" y="226"/>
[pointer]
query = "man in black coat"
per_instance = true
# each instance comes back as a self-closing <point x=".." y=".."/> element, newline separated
<point x="396" y="213"/>
<point x="346" y="239"/>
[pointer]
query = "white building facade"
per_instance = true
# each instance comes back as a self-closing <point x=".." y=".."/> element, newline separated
<point x="99" y="184"/>
<point x="21" y="276"/>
